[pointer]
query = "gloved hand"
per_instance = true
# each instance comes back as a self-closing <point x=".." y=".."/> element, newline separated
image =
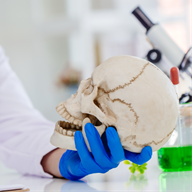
<point x="106" y="153"/>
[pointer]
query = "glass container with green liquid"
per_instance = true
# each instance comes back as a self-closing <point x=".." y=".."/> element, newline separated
<point x="176" y="154"/>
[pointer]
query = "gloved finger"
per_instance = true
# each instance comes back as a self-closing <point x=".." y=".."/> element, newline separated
<point x="114" y="144"/>
<point x="81" y="147"/>
<point x="96" y="145"/>
<point x="139" y="158"/>
<point x="87" y="160"/>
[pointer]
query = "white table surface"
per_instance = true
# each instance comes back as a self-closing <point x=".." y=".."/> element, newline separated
<point x="116" y="180"/>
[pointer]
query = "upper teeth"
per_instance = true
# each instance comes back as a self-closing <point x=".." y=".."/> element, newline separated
<point x="64" y="113"/>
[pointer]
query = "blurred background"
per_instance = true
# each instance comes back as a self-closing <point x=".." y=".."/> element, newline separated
<point x="53" y="44"/>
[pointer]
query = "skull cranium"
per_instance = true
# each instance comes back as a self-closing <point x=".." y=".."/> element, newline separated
<point x="126" y="92"/>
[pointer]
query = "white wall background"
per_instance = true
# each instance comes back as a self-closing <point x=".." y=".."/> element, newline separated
<point x="36" y="56"/>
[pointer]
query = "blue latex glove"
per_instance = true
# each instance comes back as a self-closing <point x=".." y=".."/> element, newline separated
<point x="106" y="153"/>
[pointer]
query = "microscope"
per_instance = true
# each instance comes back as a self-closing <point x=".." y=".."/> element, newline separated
<point x="165" y="53"/>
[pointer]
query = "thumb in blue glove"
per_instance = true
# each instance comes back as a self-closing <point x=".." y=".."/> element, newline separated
<point x="105" y="154"/>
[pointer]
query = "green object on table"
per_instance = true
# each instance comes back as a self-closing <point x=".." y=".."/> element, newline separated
<point x="134" y="167"/>
<point x="176" y="154"/>
<point x="175" y="158"/>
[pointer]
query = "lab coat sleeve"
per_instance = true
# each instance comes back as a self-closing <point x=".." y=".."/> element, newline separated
<point x="24" y="132"/>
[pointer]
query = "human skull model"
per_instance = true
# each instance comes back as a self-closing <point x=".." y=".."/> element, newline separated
<point x="128" y="93"/>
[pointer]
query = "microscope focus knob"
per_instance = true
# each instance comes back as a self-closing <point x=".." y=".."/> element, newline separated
<point x="154" y="56"/>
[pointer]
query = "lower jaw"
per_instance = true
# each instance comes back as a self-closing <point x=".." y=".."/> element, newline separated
<point x="63" y="141"/>
<point x="63" y="136"/>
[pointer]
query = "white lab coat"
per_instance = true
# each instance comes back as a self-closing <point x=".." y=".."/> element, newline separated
<point x="24" y="132"/>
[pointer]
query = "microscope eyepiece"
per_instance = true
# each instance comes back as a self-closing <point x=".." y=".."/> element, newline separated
<point x="144" y="20"/>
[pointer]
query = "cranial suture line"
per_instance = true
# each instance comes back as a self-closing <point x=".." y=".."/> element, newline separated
<point x="105" y="99"/>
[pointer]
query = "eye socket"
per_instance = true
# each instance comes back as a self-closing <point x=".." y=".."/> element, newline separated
<point x="88" y="90"/>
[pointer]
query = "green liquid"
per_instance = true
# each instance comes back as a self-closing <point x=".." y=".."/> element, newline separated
<point x="175" y="158"/>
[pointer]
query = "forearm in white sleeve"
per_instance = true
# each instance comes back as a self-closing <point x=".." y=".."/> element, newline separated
<point x="24" y="132"/>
